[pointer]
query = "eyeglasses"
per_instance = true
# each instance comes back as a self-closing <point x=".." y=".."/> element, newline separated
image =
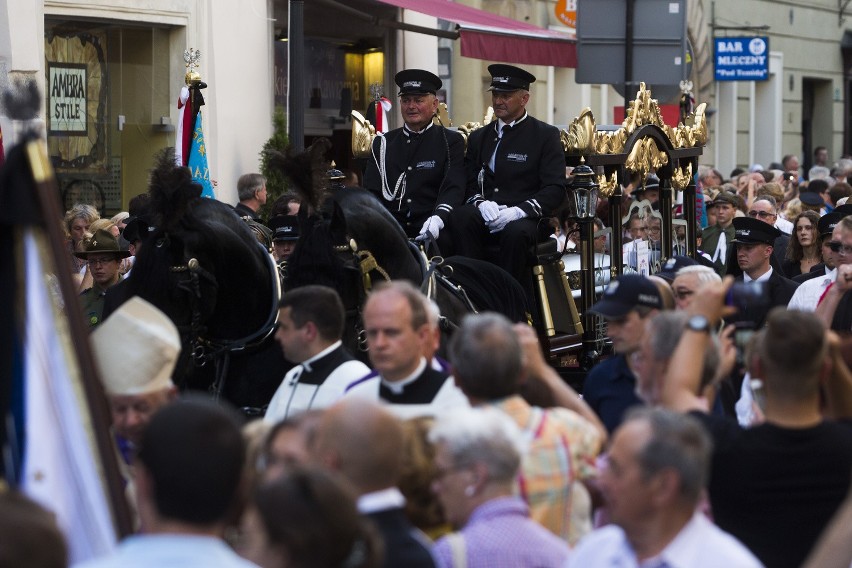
<point x="761" y="214"/>
<point x="100" y="261"/>
<point x="837" y="246"/>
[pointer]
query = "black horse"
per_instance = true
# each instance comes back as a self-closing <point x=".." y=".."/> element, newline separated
<point x="203" y="267"/>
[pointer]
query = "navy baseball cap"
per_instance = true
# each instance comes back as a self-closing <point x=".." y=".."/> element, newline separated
<point x="627" y="293"/>
<point x="672" y="265"/>
<point x="811" y="198"/>
<point x="417" y="82"/>
<point x="507" y="78"/>
<point x="284" y="228"/>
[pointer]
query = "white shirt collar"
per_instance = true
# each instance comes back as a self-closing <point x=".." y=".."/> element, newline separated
<point x="396" y="387"/>
<point x="762" y="278"/>
<point x="680" y="552"/>
<point x="307" y="364"/>
<point x="424" y="129"/>
<point x="390" y="498"/>
<point x="501" y="124"/>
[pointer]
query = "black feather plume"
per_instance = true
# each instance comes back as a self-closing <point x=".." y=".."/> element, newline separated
<point x="307" y="170"/>
<point x="171" y="189"/>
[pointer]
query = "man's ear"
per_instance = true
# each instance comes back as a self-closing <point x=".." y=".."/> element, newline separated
<point x="310" y="330"/>
<point x="665" y="486"/>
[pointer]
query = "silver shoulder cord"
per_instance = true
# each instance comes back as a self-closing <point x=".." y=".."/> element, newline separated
<point x="399" y="189"/>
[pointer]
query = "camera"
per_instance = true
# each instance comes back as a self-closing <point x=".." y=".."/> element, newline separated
<point x="788" y="176"/>
<point x="743" y="334"/>
<point x="745" y="294"/>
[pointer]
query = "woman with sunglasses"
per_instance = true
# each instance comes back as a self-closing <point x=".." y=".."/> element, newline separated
<point x="803" y="252"/>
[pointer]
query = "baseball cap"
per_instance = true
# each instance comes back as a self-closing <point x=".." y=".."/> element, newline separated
<point x="627" y="293"/>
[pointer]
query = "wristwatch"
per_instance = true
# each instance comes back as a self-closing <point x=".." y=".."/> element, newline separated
<point x="698" y="323"/>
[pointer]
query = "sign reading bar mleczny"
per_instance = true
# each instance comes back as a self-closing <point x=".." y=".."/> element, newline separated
<point x="741" y="58"/>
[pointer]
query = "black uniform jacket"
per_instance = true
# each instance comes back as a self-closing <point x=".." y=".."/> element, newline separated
<point x="433" y="163"/>
<point x="529" y="168"/>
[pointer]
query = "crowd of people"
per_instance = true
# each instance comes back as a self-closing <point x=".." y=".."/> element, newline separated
<point x="716" y="434"/>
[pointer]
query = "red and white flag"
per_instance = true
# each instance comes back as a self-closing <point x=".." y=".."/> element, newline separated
<point x="185" y="128"/>
<point x="383" y="106"/>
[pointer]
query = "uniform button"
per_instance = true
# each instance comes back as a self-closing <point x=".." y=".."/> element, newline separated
<point x="408" y="141"/>
<point x="408" y="200"/>
<point x="496" y="189"/>
<point x="409" y="168"/>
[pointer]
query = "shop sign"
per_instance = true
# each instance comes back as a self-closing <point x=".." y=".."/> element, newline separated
<point x="67" y="98"/>
<point x="741" y="58"/>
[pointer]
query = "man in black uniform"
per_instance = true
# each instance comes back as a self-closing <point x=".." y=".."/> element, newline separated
<point x="418" y="170"/>
<point x="515" y="178"/>
<point x="755" y="241"/>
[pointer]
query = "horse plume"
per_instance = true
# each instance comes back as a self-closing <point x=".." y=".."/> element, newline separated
<point x="307" y="170"/>
<point x="171" y="188"/>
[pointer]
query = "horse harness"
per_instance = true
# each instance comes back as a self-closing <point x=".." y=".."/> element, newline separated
<point x="432" y="277"/>
<point x="204" y="349"/>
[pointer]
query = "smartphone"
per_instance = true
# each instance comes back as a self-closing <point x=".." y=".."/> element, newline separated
<point x="743" y="334"/>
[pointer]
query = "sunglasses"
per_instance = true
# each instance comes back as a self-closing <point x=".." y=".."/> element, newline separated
<point x="837" y="246"/>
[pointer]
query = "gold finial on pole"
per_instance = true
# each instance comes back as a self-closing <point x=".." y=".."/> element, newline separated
<point x="191" y="57"/>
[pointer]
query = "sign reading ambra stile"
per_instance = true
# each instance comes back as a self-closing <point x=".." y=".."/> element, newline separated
<point x="66" y="87"/>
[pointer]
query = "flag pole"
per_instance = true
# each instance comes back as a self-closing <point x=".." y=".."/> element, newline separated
<point x="46" y="195"/>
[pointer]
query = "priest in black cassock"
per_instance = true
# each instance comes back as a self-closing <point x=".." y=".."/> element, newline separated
<point x="398" y="335"/>
<point x="310" y="325"/>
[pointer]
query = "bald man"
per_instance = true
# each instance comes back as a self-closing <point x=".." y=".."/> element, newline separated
<point x="346" y="442"/>
<point x="396" y="322"/>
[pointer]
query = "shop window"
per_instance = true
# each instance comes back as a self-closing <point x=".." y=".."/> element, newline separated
<point x="107" y="107"/>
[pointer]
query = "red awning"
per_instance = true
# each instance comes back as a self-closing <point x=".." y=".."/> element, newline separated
<point x="495" y="38"/>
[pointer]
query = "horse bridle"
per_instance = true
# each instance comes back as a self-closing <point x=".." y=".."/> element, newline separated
<point x="204" y="349"/>
<point x="366" y="264"/>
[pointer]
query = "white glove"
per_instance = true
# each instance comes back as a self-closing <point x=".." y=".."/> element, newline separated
<point x="489" y="211"/>
<point x="433" y="226"/>
<point x="505" y="217"/>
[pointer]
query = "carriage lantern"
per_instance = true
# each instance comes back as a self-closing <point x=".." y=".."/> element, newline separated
<point x="583" y="194"/>
<point x="582" y="203"/>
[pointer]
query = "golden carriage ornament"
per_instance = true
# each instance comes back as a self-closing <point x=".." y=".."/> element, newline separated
<point x="605" y="158"/>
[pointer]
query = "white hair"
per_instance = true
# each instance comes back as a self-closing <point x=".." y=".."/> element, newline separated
<point x="704" y="273"/>
<point x="481" y="435"/>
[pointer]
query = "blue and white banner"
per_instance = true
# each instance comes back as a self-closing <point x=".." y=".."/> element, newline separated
<point x="197" y="162"/>
<point x="741" y="58"/>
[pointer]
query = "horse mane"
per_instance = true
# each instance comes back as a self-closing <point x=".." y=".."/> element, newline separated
<point x="171" y="188"/>
<point x="190" y="226"/>
<point x="307" y="170"/>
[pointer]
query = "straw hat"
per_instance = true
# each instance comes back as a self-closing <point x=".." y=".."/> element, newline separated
<point x="136" y="349"/>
